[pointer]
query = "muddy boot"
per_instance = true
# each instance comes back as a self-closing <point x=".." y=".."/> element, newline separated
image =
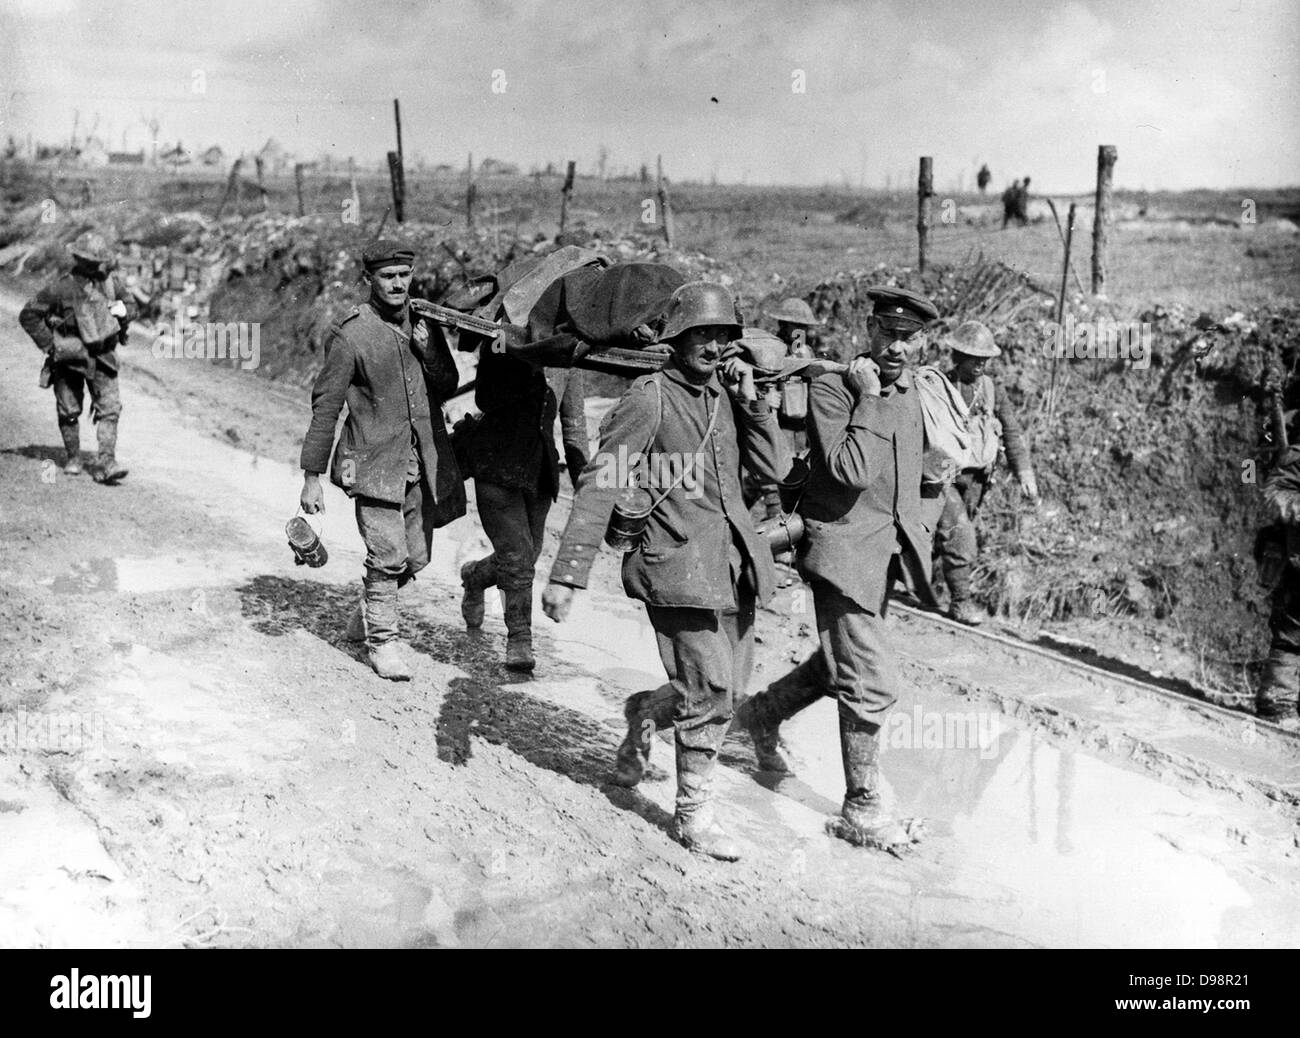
<point x="475" y="577"/>
<point x="646" y="713"/>
<point x="761" y="715"/>
<point x="71" y="449"/>
<point x="383" y="648"/>
<point x="634" y="751"/>
<point x="767" y="736"/>
<point x="694" y="825"/>
<point x="519" y="630"/>
<point x="964" y="611"/>
<point x="107" y="470"/>
<point x="863" y="821"/>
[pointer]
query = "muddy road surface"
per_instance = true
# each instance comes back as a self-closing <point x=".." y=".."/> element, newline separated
<point x="192" y="755"/>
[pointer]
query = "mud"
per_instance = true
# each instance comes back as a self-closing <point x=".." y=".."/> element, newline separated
<point x="254" y="784"/>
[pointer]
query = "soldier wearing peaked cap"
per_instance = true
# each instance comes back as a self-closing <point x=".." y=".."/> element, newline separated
<point x="861" y="512"/>
<point x="394" y="457"/>
<point x="78" y="320"/>
<point x="701" y="568"/>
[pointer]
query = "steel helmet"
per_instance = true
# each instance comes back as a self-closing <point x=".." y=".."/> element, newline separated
<point x="90" y="246"/>
<point x="974" y="340"/>
<point x="794" y="311"/>
<point x="697" y="304"/>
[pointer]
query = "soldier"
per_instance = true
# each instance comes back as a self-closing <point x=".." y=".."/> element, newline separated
<point x="394" y="457"/>
<point x="789" y="399"/>
<point x="516" y="478"/>
<point x="1022" y="203"/>
<point x="993" y="423"/>
<point x="701" y="568"/>
<point x="1010" y="204"/>
<point x="983" y="177"/>
<point x="78" y="320"/>
<point x="861" y="513"/>
<point x="1278" y="699"/>
<point x="794" y="323"/>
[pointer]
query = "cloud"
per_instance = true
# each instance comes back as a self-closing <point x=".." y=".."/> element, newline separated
<point x="1015" y="85"/>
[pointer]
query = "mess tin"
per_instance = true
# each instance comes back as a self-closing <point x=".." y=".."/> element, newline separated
<point x="305" y="541"/>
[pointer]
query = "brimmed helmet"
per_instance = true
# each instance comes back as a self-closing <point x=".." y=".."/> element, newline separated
<point x="794" y="311"/>
<point x="697" y="304"/>
<point x="90" y="246"/>
<point x="974" y="340"/>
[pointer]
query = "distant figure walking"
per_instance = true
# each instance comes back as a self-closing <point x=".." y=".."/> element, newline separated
<point x="983" y="178"/>
<point x="1010" y="203"/>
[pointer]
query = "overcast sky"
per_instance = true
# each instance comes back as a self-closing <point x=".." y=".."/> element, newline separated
<point x="1194" y="93"/>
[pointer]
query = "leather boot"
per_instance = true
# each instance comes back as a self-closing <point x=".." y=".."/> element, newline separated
<point x="646" y="713"/>
<point x="964" y="611"/>
<point x="71" y="449"/>
<point x="383" y="648"/>
<point x="475" y="577"/>
<point x="767" y="736"/>
<point x="694" y="825"/>
<point x="519" y="629"/>
<point x="761" y="715"/>
<point x="863" y="820"/>
<point x="107" y="470"/>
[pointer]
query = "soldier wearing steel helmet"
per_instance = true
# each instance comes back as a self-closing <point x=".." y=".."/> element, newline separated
<point x="863" y="528"/>
<point x="795" y="322"/>
<point x="78" y="320"/>
<point x="701" y="567"/>
<point x="992" y="424"/>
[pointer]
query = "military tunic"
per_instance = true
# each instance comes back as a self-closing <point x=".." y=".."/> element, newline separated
<point x="73" y="309"/>
<point x="701" y="567"/>
<point x="394" y="456"/>
<point x="863" y="528"/>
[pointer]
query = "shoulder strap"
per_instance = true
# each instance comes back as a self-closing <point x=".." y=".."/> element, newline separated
<point x="708" y="431"/>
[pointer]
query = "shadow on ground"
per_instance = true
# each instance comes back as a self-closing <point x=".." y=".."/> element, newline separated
<point x="545" y="734"/>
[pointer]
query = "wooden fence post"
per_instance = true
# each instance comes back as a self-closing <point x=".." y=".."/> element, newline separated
<point x="665" y="205"/>
<point x="471" y="192"/>
<point x="565" y="192"/>
<point x="1060" y="314"/>
<point x="1106" y="156"/>
<point x="297" y="183"/>
<point x="399" y="186"/>
<point x="924" y="190"/>
<point x="232" y="183"/>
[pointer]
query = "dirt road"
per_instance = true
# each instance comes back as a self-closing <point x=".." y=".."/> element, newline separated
<point x="225" y="770"/>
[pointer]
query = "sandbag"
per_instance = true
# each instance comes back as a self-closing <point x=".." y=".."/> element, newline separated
<point x="945" y="416"/>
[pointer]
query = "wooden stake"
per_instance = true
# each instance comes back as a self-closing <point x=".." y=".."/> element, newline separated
<point x="397" y="119"/>
<point x="665" y="206"/>
<point x="924" y="190"/>
<point x="232" y="182"/>
<point x="399" y="188"/>
<point x="471" y="192"/>
<point x="297" y="183"/>
<point x="1060" y="313"/>
<point x="261" y="186"/>
<point x="1106" y="157"/>
<point x="565" y="192"/>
